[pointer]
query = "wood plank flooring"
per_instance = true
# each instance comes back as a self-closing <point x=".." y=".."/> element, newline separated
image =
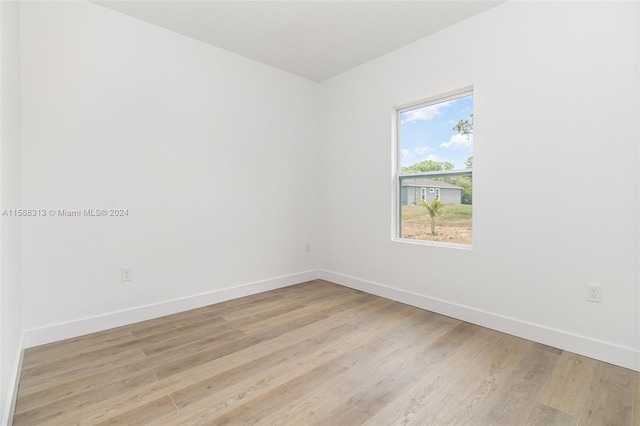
<point x="317" y="353"/>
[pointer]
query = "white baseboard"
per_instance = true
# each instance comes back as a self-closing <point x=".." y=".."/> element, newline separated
<point x="79" y="327"/>
<point x="604" y="351"/>
<point x="12" y="394"/>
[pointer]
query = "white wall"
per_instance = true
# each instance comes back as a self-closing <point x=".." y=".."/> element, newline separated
<point x="10" y="288"/>
<point x="118" y="113"/>
<point x="556" y="128"/>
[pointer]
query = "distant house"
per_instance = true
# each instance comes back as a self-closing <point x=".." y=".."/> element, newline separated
<point x="429" y="190"/>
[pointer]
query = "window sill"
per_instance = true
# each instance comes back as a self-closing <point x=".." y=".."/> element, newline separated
<point x="433" y="243"/>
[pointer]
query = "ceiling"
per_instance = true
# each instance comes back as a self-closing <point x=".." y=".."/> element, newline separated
<point x="313" y="39"/>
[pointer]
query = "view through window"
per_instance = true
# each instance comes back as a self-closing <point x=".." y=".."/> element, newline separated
<point x="435" y="170"/>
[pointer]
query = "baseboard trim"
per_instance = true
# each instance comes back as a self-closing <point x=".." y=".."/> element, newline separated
<point x="80" y="327"/>
<point x="12" y="394"/>
<point x="604" y="351"/>
<point x="601" y="350"/>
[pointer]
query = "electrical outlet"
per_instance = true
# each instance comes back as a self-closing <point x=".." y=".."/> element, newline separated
<point x="126" y="273"/>
<point x="594" y="293"/>
<point x="307" y="247"/>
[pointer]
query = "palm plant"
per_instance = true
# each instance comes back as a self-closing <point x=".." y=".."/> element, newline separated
<point x="435" y="209"/>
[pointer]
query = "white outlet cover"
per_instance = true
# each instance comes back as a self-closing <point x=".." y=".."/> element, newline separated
<point x="126" y="273"/>
<point x="594" y="293"/>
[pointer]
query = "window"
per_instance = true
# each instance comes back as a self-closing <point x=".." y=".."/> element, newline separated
<point x="435" y="169"/>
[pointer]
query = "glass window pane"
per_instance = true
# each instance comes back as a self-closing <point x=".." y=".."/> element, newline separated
<point x="446" y="220"/>
<point x="435" y="149"/>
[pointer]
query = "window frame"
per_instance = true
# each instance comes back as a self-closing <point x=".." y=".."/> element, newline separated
<point x="399" y="176"/>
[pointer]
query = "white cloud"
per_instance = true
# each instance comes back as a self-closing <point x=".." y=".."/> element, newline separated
<point x="433" y="157"/>
<point x="422" y="149"/>
<point x="424" y="113"/>
<point x="406" y="153"/>
<point x="458" y="141"/>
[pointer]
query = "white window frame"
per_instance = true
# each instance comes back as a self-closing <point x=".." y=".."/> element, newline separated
<point x="399" y="175"/>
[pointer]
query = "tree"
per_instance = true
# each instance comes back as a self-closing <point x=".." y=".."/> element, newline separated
<point x="435" y="209"/>
<point x="469" y="162"/>
<point x="467" y="185"/>
<point x="428" y="166"/>
<point x="464" y="127"/>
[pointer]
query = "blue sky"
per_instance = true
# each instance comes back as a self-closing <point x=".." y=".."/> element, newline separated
<point x="427" y="133"/>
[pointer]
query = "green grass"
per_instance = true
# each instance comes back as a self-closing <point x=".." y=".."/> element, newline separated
<point x="458" y="215"/>
<point x="453" y="226"/>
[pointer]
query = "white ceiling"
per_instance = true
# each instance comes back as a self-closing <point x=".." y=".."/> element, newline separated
<point x="313" y="39"/>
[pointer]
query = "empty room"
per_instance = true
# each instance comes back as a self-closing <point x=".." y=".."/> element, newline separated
<point x="320" y="212"/>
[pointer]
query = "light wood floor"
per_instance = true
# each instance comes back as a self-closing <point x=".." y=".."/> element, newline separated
<point x="317" y="353"/>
